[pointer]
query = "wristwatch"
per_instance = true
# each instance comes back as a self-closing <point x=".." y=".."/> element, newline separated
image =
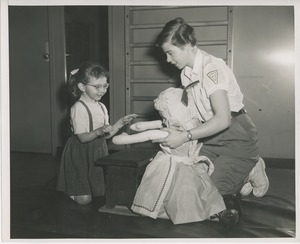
<point x="189" y="135"/>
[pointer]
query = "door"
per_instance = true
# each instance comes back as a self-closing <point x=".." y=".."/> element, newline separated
<point x="86" y="33"/>
<point x="30" y="115"/>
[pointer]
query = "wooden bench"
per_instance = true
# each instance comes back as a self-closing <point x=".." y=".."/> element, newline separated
<point x="123" y="173"/>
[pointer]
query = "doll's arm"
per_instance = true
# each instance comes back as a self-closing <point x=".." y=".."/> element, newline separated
<point x="147" y="125"/>
<point x="148" y="135"/>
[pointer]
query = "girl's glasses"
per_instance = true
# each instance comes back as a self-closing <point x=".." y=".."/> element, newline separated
<point x="99" y="87"/>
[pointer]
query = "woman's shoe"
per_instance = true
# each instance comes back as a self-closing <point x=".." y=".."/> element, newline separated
<point x="233" y="212"/>
<point x="257" y="181"/>
<point x="233" y="201"/>
<point x="229" y="217"/>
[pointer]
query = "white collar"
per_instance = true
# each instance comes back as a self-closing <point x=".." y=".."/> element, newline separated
<point x="194" y="73"/>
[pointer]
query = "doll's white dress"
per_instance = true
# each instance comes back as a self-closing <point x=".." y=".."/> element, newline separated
<point x="176" y="183"/>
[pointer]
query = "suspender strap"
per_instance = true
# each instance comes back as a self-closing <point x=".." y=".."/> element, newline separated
<point x="89" y="114"/>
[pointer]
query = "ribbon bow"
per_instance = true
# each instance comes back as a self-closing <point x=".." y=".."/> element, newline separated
<point x="73" y="72"/>
<point x="184" y="97"/>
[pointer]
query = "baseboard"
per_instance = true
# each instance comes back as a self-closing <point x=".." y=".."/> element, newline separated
<point x="282" y="163"/>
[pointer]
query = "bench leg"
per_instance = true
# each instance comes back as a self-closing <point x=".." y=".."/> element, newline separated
<point x="110" y="194"/>
<point x="121" y="185"/>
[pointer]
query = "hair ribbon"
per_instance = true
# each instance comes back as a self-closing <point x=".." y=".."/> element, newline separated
<point x="73" y="72"/>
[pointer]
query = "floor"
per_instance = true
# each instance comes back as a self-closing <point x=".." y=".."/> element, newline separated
<point x="38" y="211"/>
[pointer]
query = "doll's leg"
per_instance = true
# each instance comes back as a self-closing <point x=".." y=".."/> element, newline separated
<point x="148" y="135"/>
<point x="146" y="125"/>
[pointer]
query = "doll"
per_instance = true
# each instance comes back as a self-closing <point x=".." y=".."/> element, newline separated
<point x="176" y="184"/>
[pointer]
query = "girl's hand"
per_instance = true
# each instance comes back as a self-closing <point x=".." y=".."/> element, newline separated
<point x="126" y="119"/>
<point x="175" y="138"/>
<point x="104" y="130"/>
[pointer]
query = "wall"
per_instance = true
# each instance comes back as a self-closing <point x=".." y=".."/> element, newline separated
<point x="147" y="72"/>
<point x="268" y="85"/>
<point x="262" y="62"/>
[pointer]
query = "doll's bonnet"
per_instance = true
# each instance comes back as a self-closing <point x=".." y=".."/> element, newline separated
<point x="169" y="104"/>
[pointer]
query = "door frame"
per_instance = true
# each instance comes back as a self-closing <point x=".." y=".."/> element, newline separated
<point x="57" y="53"/>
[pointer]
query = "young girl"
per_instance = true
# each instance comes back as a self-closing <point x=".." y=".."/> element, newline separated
<point x="228" y="135"/>
<point x="78" y="177"/>
<point x="176" y="183"/>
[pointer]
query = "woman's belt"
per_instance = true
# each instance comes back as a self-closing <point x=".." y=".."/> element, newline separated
<point x="242" y="111"/>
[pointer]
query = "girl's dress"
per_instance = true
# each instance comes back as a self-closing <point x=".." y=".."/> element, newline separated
<point x="78" y="174"/>
<point x="176" y="183"/>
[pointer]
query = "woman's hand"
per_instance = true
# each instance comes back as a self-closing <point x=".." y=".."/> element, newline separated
<point x="175" y="138"/>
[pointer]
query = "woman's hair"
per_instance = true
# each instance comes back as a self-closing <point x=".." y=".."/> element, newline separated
<point x="178" y="32"/>
<point x="85" y="72"/>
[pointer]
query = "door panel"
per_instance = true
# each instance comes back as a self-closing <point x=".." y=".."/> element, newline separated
<point x="30" y="120"/>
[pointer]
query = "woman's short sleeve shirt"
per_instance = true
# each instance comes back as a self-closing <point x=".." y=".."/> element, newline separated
<point x="213" y="74"/>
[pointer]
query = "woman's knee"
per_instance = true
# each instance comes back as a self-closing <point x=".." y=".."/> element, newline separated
<point x="83" y="199"/>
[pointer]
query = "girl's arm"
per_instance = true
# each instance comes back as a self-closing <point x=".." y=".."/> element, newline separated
<point x="107" y="130"/>
<point x="90" y="136"/>
<point x="220" y="121"/>
<point x="119" y="124"/>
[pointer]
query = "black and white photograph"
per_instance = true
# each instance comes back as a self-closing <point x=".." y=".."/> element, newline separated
<point x="134" y="121"/>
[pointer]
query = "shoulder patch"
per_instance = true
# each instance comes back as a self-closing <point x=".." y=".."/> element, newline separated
<point x="213" y="75"/>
